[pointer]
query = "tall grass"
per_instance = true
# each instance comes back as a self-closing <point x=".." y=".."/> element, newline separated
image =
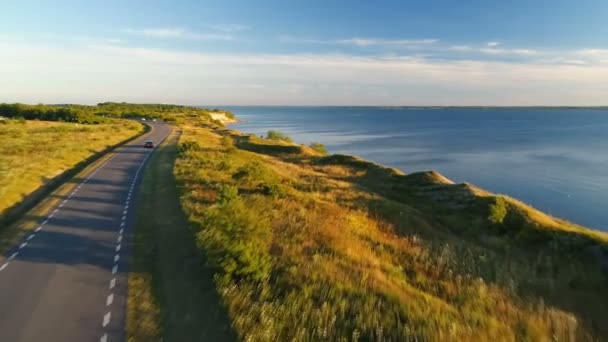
<point x="351" y="251"/>
<point x="34" y="152"/>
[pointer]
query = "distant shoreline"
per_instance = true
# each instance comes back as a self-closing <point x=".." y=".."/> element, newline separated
<point x="423" y="107"/>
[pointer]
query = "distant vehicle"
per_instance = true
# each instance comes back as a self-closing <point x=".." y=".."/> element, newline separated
<point x="143" y="119"/>
<point x="153" y="119"/>
<point x="149" y="144"/>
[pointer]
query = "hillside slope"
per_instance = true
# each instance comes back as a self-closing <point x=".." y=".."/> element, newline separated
<point x="312" y="247"/>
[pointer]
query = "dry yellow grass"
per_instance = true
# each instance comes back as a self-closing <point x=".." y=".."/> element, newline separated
<point x="35" y="152"/>
<point x="348" y="250"/>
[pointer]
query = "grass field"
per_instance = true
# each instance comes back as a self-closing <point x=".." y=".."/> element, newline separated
<point x="306" y="247"/>
<point x="33" y="153"/>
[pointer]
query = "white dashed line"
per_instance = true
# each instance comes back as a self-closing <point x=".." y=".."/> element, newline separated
<point x="44" y="222"/>
<point x="116" y="257"/>
<point x="23" y="245"/>
<point x="112" y="283"/>
<point x="114" y="269"/>
<point x="126" y="207"/>
<point x="125" y="212"/>
<point x="118" y="248"/>
<point x="104" y="338"/>
<point x="122" y="230"/>
<point x="119" y="239"/>
<point x="30" y="237"/>
<point x="122" y="224"/>
<point x="124" y="217"/>
<point x="55" y="211"/>
<point x="38" y="229"/>
<point x="110" y="299"/>
<point x="3" y="266"/>
<point x="106" y="319"/>
<point x="51" y="216"/>
<point x="13" y="256"/>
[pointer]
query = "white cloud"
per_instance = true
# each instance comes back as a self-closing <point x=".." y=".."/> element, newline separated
<point x="460" y="48"/>
<point x="365" y="42"/>
<point x="519" y="52"/>
<point x="493" y="44"/>
<point x="125" y="73"/>
<point x="178" y="33"/>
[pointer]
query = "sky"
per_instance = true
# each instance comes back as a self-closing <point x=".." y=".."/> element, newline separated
<point x="312" y="52"/>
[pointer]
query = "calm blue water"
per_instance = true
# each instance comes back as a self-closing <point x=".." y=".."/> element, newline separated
<point x="556" y="160"/>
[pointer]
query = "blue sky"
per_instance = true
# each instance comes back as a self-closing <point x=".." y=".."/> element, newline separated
<point x="306" y="52"/>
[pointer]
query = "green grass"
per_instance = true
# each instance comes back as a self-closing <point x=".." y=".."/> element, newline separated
<point x="171" y="297"/>
<point x="344" y="249"/>
<point x="276" y="135"/>
<point x="34" y="153"/>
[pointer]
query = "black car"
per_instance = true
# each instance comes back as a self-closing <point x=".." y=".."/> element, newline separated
<point x="149" y="144"/>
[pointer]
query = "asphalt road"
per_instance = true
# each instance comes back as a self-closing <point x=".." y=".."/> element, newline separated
<point x="67" y="281"/>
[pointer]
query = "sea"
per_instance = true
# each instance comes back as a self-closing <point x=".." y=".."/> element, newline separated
<point x="554" y="159"/>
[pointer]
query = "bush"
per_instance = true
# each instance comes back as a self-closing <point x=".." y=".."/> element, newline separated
<point x="498" y="211"/>
<point x="190" y="146"/>
<point x="237" y="241"/>
<point x="251" y="171"/>
<point x="276" y="135"/>
<point x="227" y="194"/>
<point x="274" y="190"/>
<point x="319" y="148"/>
<point x="228" y="143"/>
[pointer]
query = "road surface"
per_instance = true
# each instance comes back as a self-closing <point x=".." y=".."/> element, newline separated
<point x="67" y="280"/>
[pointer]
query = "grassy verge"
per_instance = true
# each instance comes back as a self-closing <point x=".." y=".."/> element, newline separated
<point x="170" y="296"/>
<point x="38" y="158"/>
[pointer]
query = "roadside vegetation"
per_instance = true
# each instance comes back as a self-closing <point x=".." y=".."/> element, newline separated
<point x="34" y="153"/>
<point x="311" y="247"/>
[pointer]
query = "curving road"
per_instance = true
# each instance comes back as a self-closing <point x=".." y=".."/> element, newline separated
<point x="67" y="280"/>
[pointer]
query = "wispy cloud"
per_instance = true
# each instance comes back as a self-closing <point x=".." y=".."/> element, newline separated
<point x="365" y="42"/>
<point x="130" y="73"/>
<point x="493" y="44"/>
<point x="178" y="33"/>
<point x="359" y="41"/>
<point x="229" y="28"/>
<point x="503" y="52"/>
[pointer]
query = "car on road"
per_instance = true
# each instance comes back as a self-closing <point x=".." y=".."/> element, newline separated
<point x="149" y="144"/>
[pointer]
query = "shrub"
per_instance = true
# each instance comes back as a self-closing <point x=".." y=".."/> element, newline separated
<point x="237" y="241"/>
<point x="276" y="135"/>
<point x="228" y="143"/>
<point x="274" y="190"/>
<point x="498" y="211"/>
<point x="319" y="148"/>
<point x="190" y="146"/>
<point x="251" y="171"/>
<point x="227" y="194"/>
